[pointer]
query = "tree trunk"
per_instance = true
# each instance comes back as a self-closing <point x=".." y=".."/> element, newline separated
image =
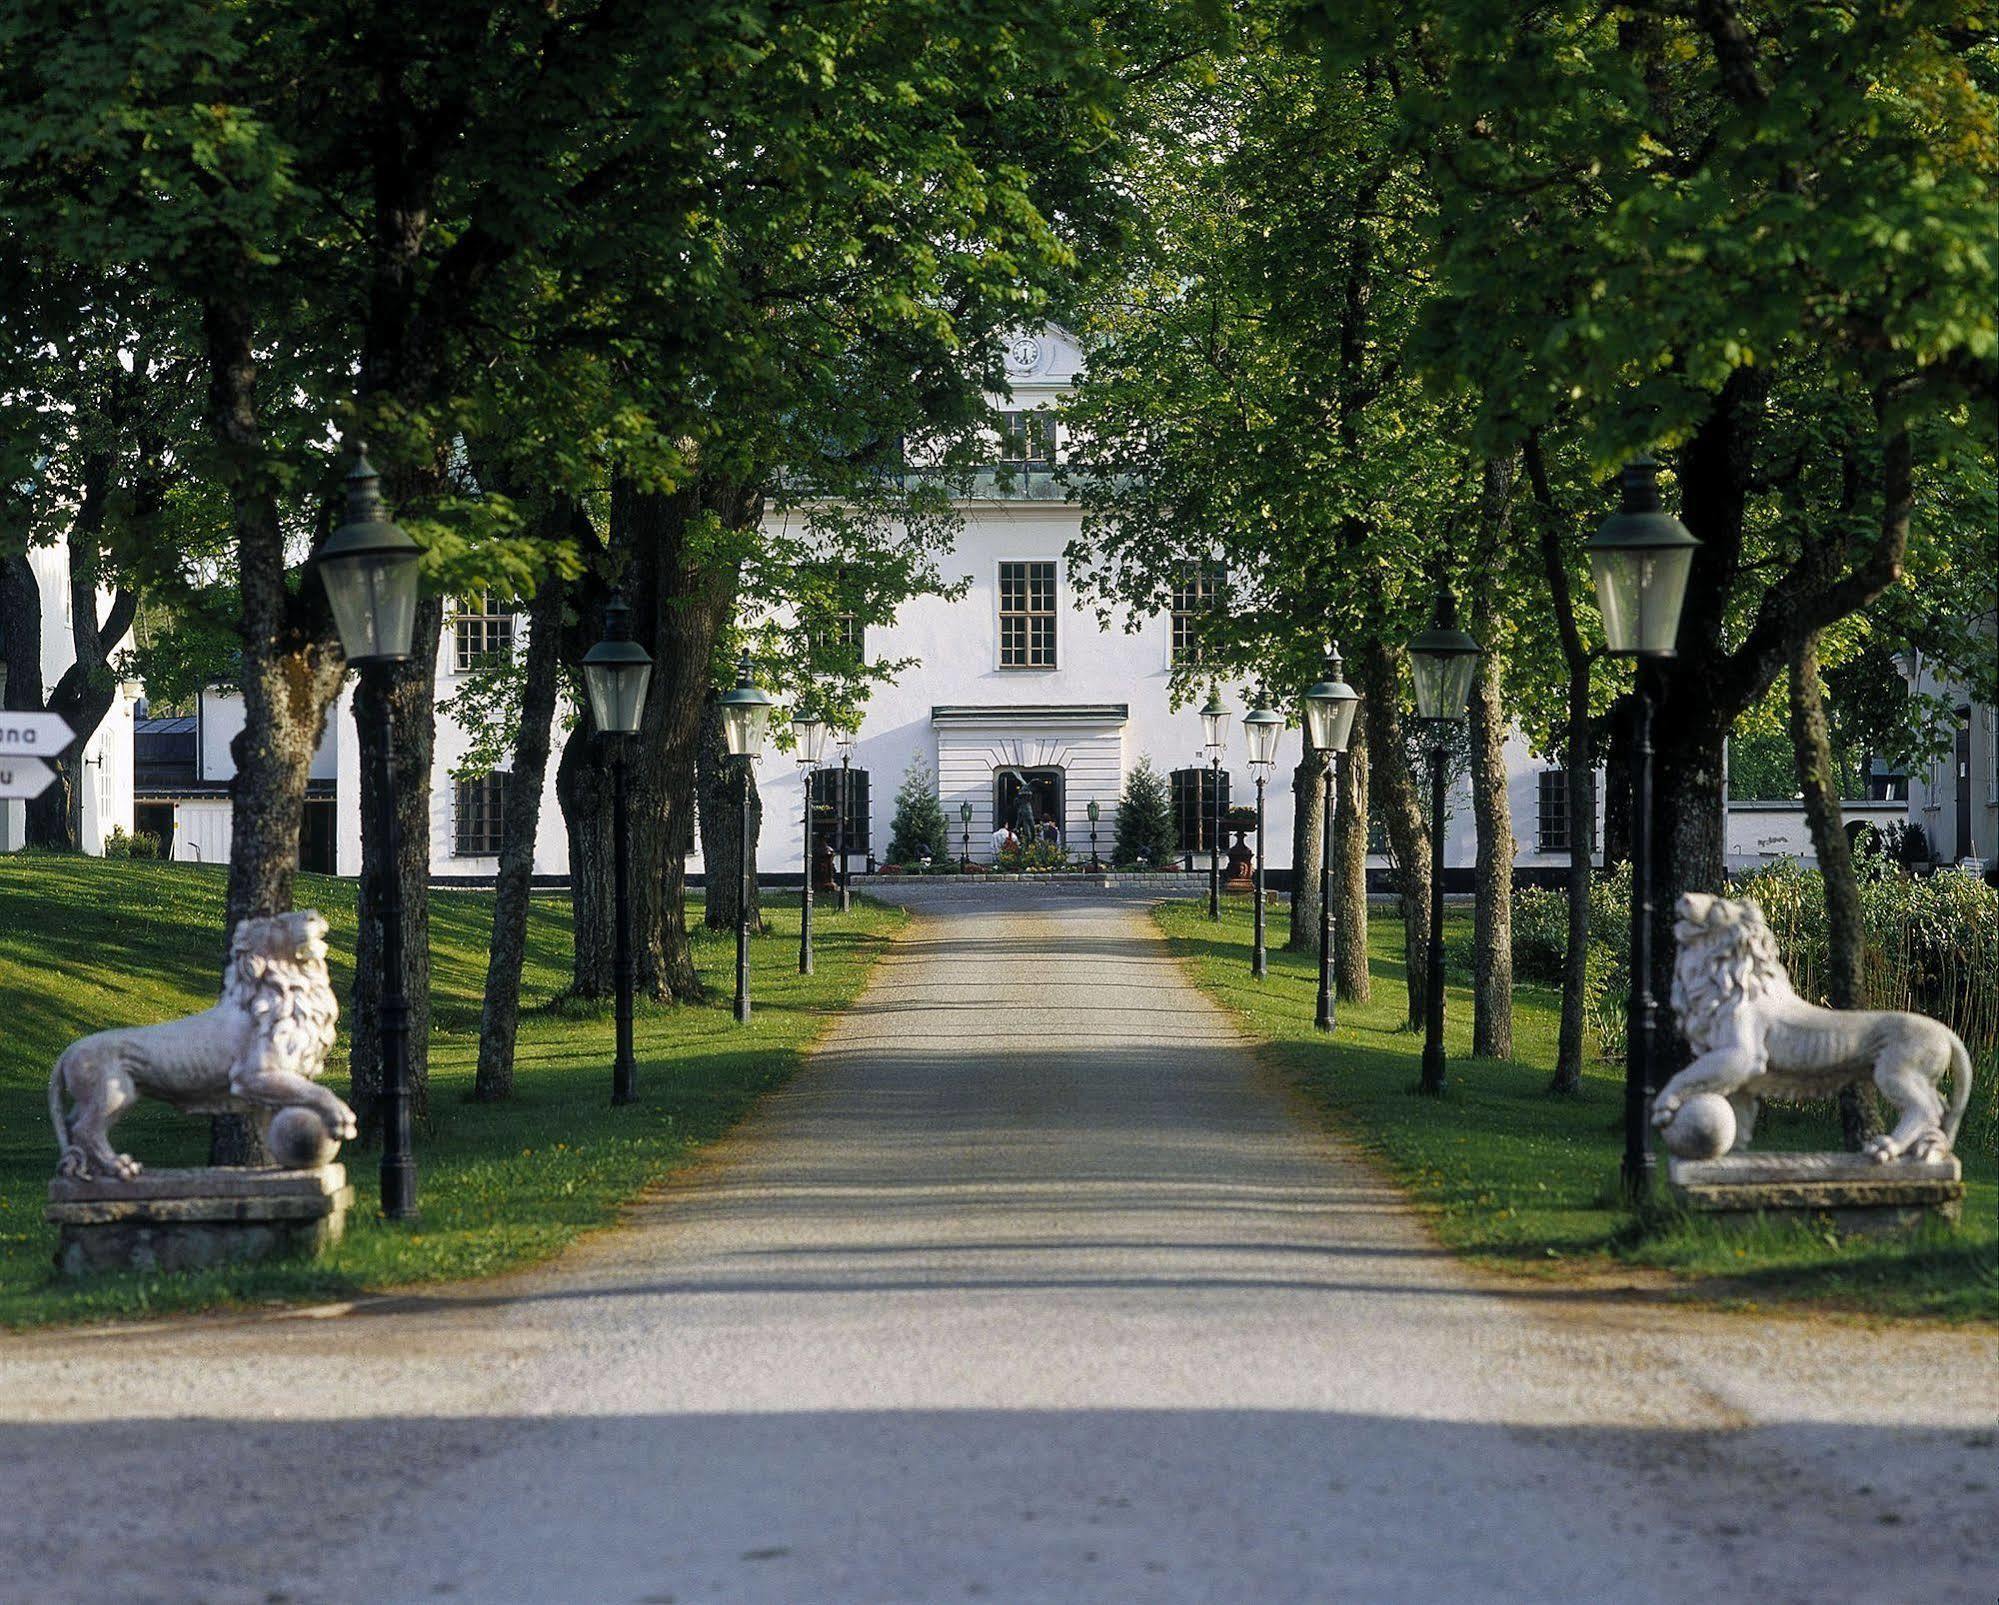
<point x="1577" y="775"/>
<point x="1396" y="790"/>
<point x="412" y="693"/>
<point x="85" y="691"/>
<point x="499" y="1021"/>
<point x="1352" y="979"/>
<point x="682" y="592"/>
<point x="1570" y="1043"/>
<point x="1308" y="821"/>
<point x="721" y="782"/>
<point x="1492" y="813"/>
<point x="1492" y="984"/>
<point x="583" y="788"/>
<point x="1846" y="932"/>
<point x="290" y="671"/>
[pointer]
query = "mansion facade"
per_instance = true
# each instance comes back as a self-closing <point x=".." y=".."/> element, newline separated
<point x="1016" y="685"/>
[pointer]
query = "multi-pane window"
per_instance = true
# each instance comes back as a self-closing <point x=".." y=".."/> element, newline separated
<point x="1027" y="615"/>
<point x="851" y="635"/>
<point x="1553" y="829"/>
<point x="1194" y="593"/>
<point x="827" y="783"/>
<point x="1194" y="803"/>
<point x="481" y="816"/>
<point x="1027" y="440"/>
<point x="485" y="634"/>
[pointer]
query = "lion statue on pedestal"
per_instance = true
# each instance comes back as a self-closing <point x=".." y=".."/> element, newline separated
<point x="263" y="1043"/>
<point x="1753" y="1037"/>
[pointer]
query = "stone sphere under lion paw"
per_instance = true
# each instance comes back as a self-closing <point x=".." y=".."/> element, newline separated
<point x="1701" y="1128"/>
<point x="298" y="1139"/>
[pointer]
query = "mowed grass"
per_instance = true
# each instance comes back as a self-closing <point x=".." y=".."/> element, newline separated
<point x="1514" y="1177"/>
<point x="87" y="943"/>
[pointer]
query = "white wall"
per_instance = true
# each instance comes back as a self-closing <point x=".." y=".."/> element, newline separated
<point x="1934" y="787"/>
<point x="105" y="770"/>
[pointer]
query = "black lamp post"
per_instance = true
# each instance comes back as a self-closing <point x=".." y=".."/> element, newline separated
<point x="1329" y="715"/>
<point x="745" y="717"/>
<point x="1442" y="661"/>
<point x="1261" y="728"/>
<point x="1215" y="733"/>
<point x="1095" y="811"/>
<point x="616" y="672"/>
<point x="369" y="569"/>
<point x="1640" y="557"/>
<point x="809" y="731"/>
<point x="844" y="736"/>
<point x="965" y="820"/>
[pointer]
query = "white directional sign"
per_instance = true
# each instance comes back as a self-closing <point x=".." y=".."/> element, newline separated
<point x="33" y="735"/>
<point x="24" y="777"/>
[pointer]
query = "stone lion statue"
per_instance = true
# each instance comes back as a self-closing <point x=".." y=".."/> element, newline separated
<point x="1754" y="1037"/>
<point x="263" y="1042"/>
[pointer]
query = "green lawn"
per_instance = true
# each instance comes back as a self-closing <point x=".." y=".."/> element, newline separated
<point x="86" y="943"/>
<point x="1516" y="1178"/>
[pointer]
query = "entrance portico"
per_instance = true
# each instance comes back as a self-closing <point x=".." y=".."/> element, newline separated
<point x="1064" y="755"/>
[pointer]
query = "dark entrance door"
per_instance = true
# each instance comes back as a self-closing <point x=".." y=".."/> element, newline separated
<point x="315" y="837"/>
<point x="1963" y="784"/>
<point x="159" y="819"/>
<point x="1042" y="791"/>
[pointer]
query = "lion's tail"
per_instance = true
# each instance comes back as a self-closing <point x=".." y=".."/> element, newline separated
<point x="1960" y="1085"/>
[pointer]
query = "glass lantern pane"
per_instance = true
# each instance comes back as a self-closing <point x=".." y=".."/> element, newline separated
<point x="373" y="596"/>
<point x="617" y="695"/>
<point x="1339" y="727"/>
<point x="1619" y="577"/>
<point x="1263" y="741"/>
<point x="1662" y="591"/>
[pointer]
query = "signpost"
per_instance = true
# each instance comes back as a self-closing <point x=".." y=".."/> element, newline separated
<point x="24" y="777"/>
<point x="34" y="735"/>
<point x="26" y="739"/>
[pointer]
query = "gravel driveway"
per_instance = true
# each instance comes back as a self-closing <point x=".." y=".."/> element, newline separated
<point x="1031" y="1287"/>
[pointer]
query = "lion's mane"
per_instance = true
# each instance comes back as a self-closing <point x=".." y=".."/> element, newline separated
<point x="1725" y="960"/>
<point x="286" y="992"/>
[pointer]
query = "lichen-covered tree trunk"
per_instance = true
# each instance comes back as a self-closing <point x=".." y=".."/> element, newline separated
<point x="1492" y="814"/>
<point x="1352" y="978"/>
<point x="499" y="1020"/>
<point x="1846" y="931"/>
<point x="289" y="670"/>
<point x="1395" y="788"/>
<point x="721" y="779"/>
<point x="412" y="693"/>
<point x="1308" y="822"/>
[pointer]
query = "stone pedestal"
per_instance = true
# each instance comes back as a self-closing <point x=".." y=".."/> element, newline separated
<point x="1858" y="1194"/>
<point x="181" y="1220"/>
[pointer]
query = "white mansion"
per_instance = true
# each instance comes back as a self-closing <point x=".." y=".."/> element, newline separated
<point x="1016" y="679"/>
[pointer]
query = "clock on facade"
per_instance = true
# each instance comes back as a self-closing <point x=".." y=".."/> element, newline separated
<point x="1024" y="354"/>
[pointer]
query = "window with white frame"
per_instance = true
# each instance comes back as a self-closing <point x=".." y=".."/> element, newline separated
<point x="481" y="813"/>
<point x="1194" y="593"/>
<point x="1027" y="615"/>
<point x="484" y="633"/>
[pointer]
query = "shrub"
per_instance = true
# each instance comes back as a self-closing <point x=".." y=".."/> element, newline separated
<point x="1144" y="819"/>
<point x="140" y="844"/>
<point x="919" y="829"/>
<point x="1034" y="856"/>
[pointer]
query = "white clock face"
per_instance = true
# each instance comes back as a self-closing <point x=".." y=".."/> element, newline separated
<point x="1024" y="355"/>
